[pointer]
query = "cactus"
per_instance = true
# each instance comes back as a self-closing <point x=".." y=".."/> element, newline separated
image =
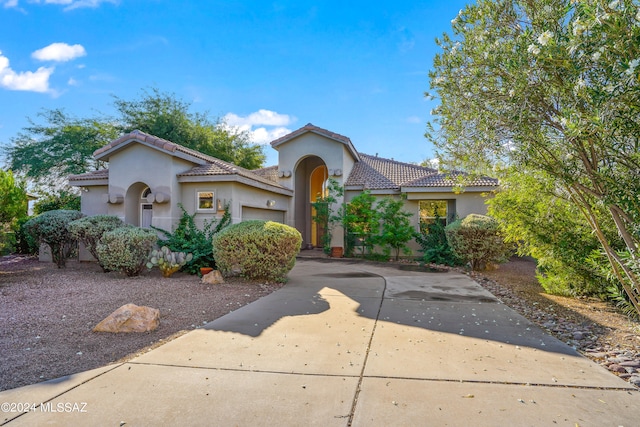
<point x="168" y="262"/>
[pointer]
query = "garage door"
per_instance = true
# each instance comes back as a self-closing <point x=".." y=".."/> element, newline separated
<point x="264" y="214"/>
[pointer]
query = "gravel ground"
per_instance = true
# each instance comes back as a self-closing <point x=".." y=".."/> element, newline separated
<point x="591" y="326"/>
<point x="47" y="315"/>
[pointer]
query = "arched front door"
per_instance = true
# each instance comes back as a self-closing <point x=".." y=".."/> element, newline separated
<point x="318" y="190"/>
<point x="310" y="182"/>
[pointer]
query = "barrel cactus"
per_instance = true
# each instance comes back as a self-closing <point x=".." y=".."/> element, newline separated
<point x="167" y="261"/>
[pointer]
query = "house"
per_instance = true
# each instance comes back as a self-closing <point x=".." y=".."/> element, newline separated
<point x="148" y="177"/>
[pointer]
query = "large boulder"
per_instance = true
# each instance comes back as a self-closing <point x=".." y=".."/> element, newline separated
<point x="130" y="318"/>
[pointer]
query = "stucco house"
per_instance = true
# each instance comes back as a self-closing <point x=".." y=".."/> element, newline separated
<point x="148" y="177"/>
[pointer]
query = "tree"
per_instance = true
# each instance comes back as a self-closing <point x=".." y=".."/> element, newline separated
<point x="13" y="198"/>
<point x="361" y="220"/>
<point x="536" y="216"/>
<point x="550" y="86"/>
<point x="166" y="116"/>
<point x="13" y="207"/>
<point x="64" y="145"/>
<point x="396" y="227"/>
<point x="61" y="199"/>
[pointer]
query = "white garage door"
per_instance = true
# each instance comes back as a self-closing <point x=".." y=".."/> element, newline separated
<point x="264" y="214"/>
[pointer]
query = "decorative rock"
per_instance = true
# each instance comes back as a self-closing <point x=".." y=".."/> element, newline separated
<point x="213" y="278"/>
<point x="635" y="380"/>
<point x="617" y="368"/>
<point x="578" y="335"/>
<point x="130" y="318"/>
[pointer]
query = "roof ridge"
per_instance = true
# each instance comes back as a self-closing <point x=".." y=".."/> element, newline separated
<point x="399" y="162"/>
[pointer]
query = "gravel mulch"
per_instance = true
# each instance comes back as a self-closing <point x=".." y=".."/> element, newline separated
<point x="47" y="314"/>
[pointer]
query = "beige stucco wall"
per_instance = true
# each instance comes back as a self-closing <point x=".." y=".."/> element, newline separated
<point x="237" y="194"/>
<point x="292" y="154"/>
<point x="138" y="163"/>
<point x="91" y="200"/>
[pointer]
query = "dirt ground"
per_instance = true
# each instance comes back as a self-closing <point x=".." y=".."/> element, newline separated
<point x="47" y="314"/>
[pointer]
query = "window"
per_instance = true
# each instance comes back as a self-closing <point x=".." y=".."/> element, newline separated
<point x="432" y="209"/>
<point x="205" y="200"/>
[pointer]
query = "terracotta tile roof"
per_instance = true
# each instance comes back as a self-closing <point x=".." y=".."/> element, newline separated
<point x="270" y="173"/>
<point x="140" y="136"/>
<point x="311" y="128"/>
<point x="448" y="180"/>
<point x="377" y="173"/>
<point x="99" y="174"/>
<point x="220" y="167"/>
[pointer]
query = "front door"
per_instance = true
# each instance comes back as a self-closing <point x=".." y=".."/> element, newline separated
<point x="146" y="215"/>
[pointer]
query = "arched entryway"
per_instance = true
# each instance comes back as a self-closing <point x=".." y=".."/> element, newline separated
<point x="138" y="211"/>
<point x="310" y="183"/>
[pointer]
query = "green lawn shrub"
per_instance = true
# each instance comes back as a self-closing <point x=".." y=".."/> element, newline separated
<point x="51" y="227"/>
<point x="257" y="250"/>
<point x="434" y="246"/>
<point x="89" y="231"/>
<point x="188" y="238"/>
<point x="476" y="240"/>
<point x="126" y="249"/>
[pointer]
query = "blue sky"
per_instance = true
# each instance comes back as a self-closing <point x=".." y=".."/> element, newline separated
<point x="353" y="67"/>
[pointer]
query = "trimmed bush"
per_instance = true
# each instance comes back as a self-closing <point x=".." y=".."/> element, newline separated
<point x="126" y="249"/>
<point x="51" y="227"/>
<point x="475" y="239"/>
<point x="257" y="250"/>
<point x="90" y="229"/>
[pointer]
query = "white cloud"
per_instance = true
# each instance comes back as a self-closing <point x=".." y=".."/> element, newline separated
<point x="414" y="119"/>
<point x="32" y="81"/>
<point x="59" y="52"/>
<point x="70" y="4"/>
<point x="263" y="125"/>
<point x="260" y="117"/>
<point x="73" y="82"/>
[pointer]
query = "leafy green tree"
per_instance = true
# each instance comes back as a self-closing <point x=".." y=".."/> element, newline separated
<point x="550" y="86"/>
<point x="536" y="216"/>
<point x="13" y="207"/>
<point x="13" y="198"/>
<point x="166" y="116"/>
<point x="396" y="227"/>
<point x="63" y="145"/>
<point x="361" y="220"/>
<point x="61" y="199"/>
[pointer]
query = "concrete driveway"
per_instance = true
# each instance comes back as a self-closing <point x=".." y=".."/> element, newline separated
<point x="347" y="344"/>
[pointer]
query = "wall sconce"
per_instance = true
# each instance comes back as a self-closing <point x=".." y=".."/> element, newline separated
<point x="219" y="205"/>
<point x="271" y="203"/>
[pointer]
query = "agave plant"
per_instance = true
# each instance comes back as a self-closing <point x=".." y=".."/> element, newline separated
<point x="167" y="261"/>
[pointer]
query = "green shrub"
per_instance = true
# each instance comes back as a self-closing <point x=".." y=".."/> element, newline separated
<point x="51" y="228"/>
<point x="476" y="240"/>
<point x="188" y="238"/>
<point x="396" y="227"/>
<point x="257" y="250"/>
<point x="433" y="244"/>
<point x="126" y="249"/>
<point x="90" y="229"/>
<point x="25" y="242"/>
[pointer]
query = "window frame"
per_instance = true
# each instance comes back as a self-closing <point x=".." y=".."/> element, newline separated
<point x="199" y="198"/>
